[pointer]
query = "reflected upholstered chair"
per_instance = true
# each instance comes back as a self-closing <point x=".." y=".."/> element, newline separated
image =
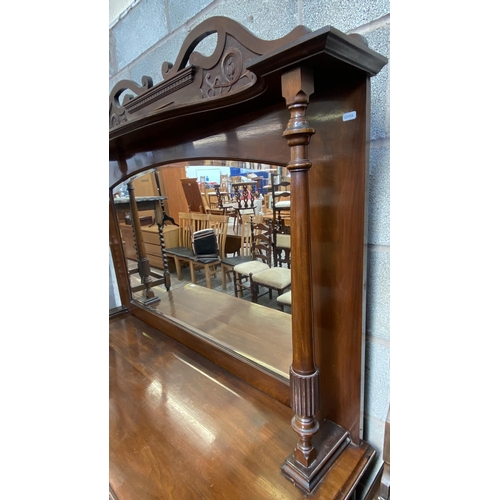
<point x="260" y="271"/>
<point x="273" y="278"/>
<point x="261" y="256"/>
<point x="282" y="246"/>
<point x="284" y="300"/>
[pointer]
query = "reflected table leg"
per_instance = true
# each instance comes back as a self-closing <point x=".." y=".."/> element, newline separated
<point x="142" y="260"/>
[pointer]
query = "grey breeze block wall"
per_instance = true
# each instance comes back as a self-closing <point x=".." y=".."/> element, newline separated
<point x="152" y="31"/>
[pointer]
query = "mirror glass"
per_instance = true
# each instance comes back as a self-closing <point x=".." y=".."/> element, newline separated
<point x="196" y="221"/>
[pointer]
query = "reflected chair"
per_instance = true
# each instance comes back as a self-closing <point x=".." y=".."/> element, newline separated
<point x="245" y="250"/>
<point x="260" y="271"/>
<point x="244" y="196"/>
<point x="281" y="246"/>
<point x="280" y="199"/>
<point x="208" y="248"/>
<point x="273" y="278"/>
<point x="284" y="299"/>
<point x="261" y="256"/>
<point x="189" y="222"/>
<point x="184" y="250"/>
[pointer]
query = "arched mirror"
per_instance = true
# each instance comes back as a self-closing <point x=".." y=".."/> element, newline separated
<point x="240" y="200"/>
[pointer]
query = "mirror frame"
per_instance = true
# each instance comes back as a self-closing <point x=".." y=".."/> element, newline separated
<point x="232" y="105"/>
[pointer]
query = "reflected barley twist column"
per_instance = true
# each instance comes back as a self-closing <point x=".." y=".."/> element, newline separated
<point x="297" y="86"/>
<point x="159" y="211"/>
<point x="142" y="259"/>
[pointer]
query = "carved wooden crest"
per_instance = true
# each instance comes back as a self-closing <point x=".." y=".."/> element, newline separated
<point x="195" y="78"/>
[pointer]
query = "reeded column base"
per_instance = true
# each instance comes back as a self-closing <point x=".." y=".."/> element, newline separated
<point x="329" y="442"/>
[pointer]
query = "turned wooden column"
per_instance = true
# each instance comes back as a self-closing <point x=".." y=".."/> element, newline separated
<point x="142" y="260"/>
<point x="297" y="86"/>
<point x="318" y="446"/>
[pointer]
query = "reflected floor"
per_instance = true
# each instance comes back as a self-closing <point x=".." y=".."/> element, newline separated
<point x="236" y="324"/>
<point x="201" y="281"/>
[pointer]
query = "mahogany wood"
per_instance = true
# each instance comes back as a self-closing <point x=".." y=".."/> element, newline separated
<point x="169" y="439"/>
<point x="240" y="115"/>
<point x="118" y="255"/>
<point x="298" y="85"/>
<point x="251" y="372"/>
<point x="258" y="333"/>
<point x="337" y="185"/>
<point x="315" y="450"/>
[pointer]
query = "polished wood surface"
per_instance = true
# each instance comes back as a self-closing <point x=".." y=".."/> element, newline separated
<point x="339" y="249"/>
<point x="335" y="187"/>
<point x="183" y="428"/>
<point x="258" y="333"/>
<point x="298" y="85"/>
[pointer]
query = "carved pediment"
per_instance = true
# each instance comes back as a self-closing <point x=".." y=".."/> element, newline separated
<point x="195" y="79"/>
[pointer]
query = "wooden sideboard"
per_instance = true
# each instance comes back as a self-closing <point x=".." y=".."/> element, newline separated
<point x="300" y="101"/>
<point x="151" y="242"/>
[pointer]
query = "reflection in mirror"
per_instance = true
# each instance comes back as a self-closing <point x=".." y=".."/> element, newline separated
<point x="208" y="245"/>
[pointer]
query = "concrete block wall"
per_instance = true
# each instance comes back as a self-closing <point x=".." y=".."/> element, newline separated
<point x="152" y="31"/>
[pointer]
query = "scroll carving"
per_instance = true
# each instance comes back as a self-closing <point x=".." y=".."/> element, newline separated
<point x="195" y="78"/>
<point x="117" y="114"/>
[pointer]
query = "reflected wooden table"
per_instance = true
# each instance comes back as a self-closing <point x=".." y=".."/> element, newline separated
<point x="134" y="205"/>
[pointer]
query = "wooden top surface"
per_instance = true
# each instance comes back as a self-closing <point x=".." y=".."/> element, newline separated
<point x="183" y="428"/>
<point x="138" y="199"/>
<point x="256" y="332"/>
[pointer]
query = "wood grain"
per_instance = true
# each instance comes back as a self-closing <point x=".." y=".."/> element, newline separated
<point x="245" y="121"/>
<point x="181" y="427"/>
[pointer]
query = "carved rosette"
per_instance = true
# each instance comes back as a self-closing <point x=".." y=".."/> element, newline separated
<point x="230" y="73"/>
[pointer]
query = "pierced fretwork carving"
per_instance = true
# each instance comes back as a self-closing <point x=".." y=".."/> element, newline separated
<point x="195" y="77"/>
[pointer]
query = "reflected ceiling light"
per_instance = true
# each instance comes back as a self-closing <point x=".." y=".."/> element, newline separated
<point x="189" y="417"/>
<point x="326" y="117"/>
<point x="269" y="128"/>
<point x="208" y="376"/>
<point x="155" y="391"/>
<point x="208" y="141"/>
